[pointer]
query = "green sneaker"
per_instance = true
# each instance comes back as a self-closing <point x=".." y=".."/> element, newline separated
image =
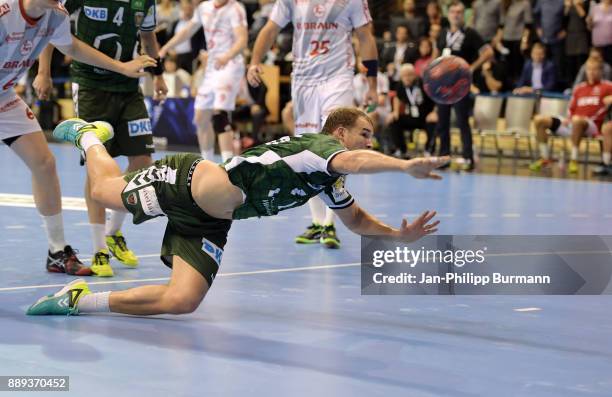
<point x="62" y="303"/>
<point x="539" y="164"/>
<point x="100" y="264"/>
<point x="72" y="130"/>
<point x="117" y="246"/>
<point x="312" y="235"/>
<point x="329" y="238"/>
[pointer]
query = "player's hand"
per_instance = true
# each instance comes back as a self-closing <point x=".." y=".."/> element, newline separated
<point x="162" y="52"/>
<point x="254" y="75"/>
<point x="221" y="61"/>
<point x="371" y="96"/>
<point x="420" y="227"/>
<point x="135" y="67"/>
<point x="160" y="90"/>
<point x="43" y="85"/>
<point x="421" y="168"/>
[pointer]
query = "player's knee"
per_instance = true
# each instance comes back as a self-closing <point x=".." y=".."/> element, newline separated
<point x="579" y="120"/>
<point x="221" y="122"/>
<point x="541" y="121"/>
<point x="45" y="164"/>
<point x="181" y="303"/>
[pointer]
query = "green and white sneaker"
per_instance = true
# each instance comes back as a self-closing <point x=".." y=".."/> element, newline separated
<point x="62" y="303"/>
<point x="72" y="130"/>
<point x="329" y="237"/>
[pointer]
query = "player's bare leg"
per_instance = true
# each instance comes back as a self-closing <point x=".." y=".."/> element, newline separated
<point x="542" y="124"/>
<point x="579" y="128"/>
<point x="606" y="155"/>
<point x="206" y="136"/>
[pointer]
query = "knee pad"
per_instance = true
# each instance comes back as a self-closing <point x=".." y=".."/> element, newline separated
<point x="221" y="122"/>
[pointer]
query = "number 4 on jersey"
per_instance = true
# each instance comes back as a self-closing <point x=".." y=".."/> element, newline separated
<point x="118" y="18"/>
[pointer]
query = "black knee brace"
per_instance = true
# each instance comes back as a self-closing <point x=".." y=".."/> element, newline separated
<point x="221" y="122"/>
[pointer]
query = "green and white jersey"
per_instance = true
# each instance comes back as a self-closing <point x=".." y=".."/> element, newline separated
<point x="286" y="173"/>
<point x="111" y="26"/>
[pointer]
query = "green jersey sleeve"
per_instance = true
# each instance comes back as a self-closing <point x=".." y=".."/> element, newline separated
<point x="73" y="5"/>
<point x="336" y="196"/>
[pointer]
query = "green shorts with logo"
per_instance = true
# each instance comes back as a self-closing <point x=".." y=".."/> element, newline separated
<point x="125" y="111"/>
<point x="164" y="189"/>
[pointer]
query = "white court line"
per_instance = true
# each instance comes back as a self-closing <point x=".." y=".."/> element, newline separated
<point x="145" y="280"/>
<point x="15" y="227"/>
<point x="478" y="215"/>
<point x="27" y="201"/>
<point x="545" y="215"/>
<point x="511" y="215"/>
<point x="579" y="215"/>
<point x="528" y="309"/>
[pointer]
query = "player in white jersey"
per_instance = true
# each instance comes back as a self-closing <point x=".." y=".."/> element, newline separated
<point x="225" y="29"/>
<point x="26" y="27"/>
<point x="323" y="69"/>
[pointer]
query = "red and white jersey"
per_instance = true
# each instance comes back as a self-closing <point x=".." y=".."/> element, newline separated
<point x="587" y="101"/>
<point x="322" y="45"/>
<point x="219" y="24"/>
<point x="22" y="39"/>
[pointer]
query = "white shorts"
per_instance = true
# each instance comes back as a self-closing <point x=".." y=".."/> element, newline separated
<point x="219" y="88"/>
<point x="16" y="118"/>
<point x="566" y="130"/>
<point x="312" y="104"/>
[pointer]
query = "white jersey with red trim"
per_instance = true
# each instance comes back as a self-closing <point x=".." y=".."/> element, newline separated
<point x="322" y="46"/>
<point x="22" y="39"/>
<point x="219" y="24"/>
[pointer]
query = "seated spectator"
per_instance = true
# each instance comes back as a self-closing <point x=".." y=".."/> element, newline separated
<point x="402" y="51"/>
<point x="434" y="16"/>
<point x="184" y="51"/>
<point x="538" y="73"/>
<point x="491" y="77"/>
<point x="594" y="54"/>
<point x="251" y="106"/>
<point x="414" y="22"/>
<point x="177" y="80"/>
<point x="586" y="114"/>
<point x="600" y="23"/>
<point x="412" y="110"/>
<point x="425" y="56"/>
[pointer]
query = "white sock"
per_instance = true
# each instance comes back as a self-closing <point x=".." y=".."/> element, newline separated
<point x="54" y="227"/>
<point x="208" y="154"/>
<point x="114" y="222"/>
<point x="95" y="303"/>
<point x="88" y="140"/>
<point x="574" y="153"/>
<point x="329" y="217"/>
<point x="606" y="157"/>
<point x="317" y="210"/>
<point x="226" y="155"/>
<point x="98" y="236"/>
<point x="544" y="151"/>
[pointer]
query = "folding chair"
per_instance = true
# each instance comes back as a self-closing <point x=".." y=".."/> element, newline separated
<point x="487" y="109"/>
<point x="519" y="112"/>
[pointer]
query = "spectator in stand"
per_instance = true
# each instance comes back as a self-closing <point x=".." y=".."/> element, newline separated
<point x="434" y="34"/>
<point x="415" y="23"/>
<point x="548" y="18"/>
<point x="434" y="16"/>
<point x="260" y="17"/>
<point x="412" y="110"/>
<point x="594" y="54"/>
<point x="577" y="41"/>
<point x="177" y="80"/>
<point x="167" y="13"/>
<point x="585" y="117"/>
<point x="492" y="77"/>
<point x="486" y="18"/>
<point x="184" y="51"/>
<point x="402" y="51"/>
<point x="425" y="56"/>
<point x="538" y="73"/>
<point x="516" y="20"/>
<point x="600" y="22"/>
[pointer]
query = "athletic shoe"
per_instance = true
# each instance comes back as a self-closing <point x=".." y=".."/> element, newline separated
<point x="572" y="167"/>
<point x="603" y="170"/>
<point x="312" y="235"/>
<point x="72" y="130"/>
<point x="463" y="164"/>
<point x="539" y="164"/>
<point x="100" y="264"/>
<point x="63" y="302"/>
<point x="67" y="262"/>
<point x="118" y="248"/>
<point x="329" y="238"/>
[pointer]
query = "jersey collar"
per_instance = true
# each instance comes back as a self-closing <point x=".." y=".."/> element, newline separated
<point x="31" y="21"/>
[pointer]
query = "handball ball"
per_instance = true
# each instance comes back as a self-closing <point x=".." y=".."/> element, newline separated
<point x="447" y="79"/>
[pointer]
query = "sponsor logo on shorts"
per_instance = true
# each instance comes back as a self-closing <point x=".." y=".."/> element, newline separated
<point x="140" y="127"/>
<point x="9" y="105"/>
<point x="212" y="250"/>
<point x="4" y="9"/>
<point x="26" y="47"/>
<point x="29" y="114"/>
<point x="132" y="199"/>
<point x="148" y="201"/>
<point x="298" y="192"/>
<point x="96" y="13"/>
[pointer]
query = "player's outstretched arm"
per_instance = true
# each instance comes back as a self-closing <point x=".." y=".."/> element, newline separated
<point x="361" y="222"/>
<point x="89" y="55"/>
<point x="182" y="35"/>
<point x="370" y="162"/>
<point x="263" y="43"/>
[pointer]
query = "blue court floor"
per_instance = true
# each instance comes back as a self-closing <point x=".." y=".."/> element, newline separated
<point x="289" y="320"/>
